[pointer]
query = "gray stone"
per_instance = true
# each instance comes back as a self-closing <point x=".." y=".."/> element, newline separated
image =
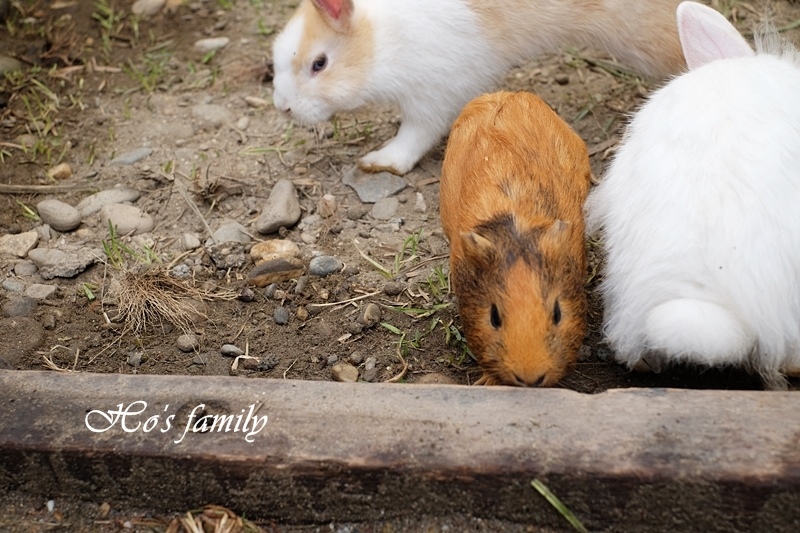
<point x="393" y="288"/>
<point x="134" y="156"/>
<point x="212" y="115"/>
<point x="333" y="359"/>
<point x="231" y="231"/>
<point x="370" y="315"/>
<point x="370" y="375"/>
<point x="135" y="359"/>
<point x="25" y="268"/>
<point x="281" y="316"/>
<point x="93" y="203"/>
<point x="18" y="245"/>
<point x="201" y="359"/>
<point x="189" y="241"/>
<point x="13" y="285"/>
<point x="188" y="342"/>
<point x="229" y="350"/>
<point x="19" y="307"/>
<point x="181" y="271"/>
<point x="371" y="362"/>
<point x="211" y="44"/>
<point x="357" y="357"/>
<point x="128" y="219"/>
<point x="281" y="210"/>
<point x="385" y="208"/>
<point x="372" y="187"/>
<point x="59" y="215"/>
<point x="420" y="206"/>
<point x="147" y="8"/>
<point x="324" y="265"/>
<point x="355" y="212"/>
<point x="242" y="123"/>
<point x="344" y="372"/>
<point x="65" y="262"/>
<point x="40" y="291"/>
<point x="9" y="64"/>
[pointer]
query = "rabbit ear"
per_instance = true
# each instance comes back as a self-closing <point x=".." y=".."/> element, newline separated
<point x="706" y="35"/>
<point x="337" y="13"/>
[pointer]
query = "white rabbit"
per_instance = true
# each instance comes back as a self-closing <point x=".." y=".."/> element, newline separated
<point x="700" y="210"/>
<point x="430" y="57"/>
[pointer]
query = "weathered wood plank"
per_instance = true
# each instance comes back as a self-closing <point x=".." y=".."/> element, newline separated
<point x="625" y="460"/>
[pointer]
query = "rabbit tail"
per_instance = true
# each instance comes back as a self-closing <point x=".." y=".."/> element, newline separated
<point x="697" y="330"/>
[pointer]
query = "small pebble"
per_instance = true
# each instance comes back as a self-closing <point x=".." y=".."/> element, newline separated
<point x="59" y="215"/>
<point x="350" y="270"/>
<point x="200" y="359"/>
<point x="242" y="123"/>
<point x="301" y="314"/>
<point x="344" y="372"/>
<point x="357" y="211"/>
<point x="39" y="291"/>
<point x="385" y="208"/>
<point x="269" y="292"/>
<point x="254" y="101"/>
<point x="308" y="237"/>
<point x="211" y="44"/>
<point x="324" y="265"/>
<point x="357" y="357"/>
<point x="231" y="231"/>
<point x="281" y="210"/>
<point x="147" y="8"/>
<point x="13" y="285"/>
<point x="332" y="360"/>
<point x="9" y="64"/>
<point x="420" y="206"/>
<point x="280" y="294"/>
<point x="129" y="219"/>
<point x="188" y="343"/>
<point x="562" y="79"/>
<point x="189" y="241"/>
<point x="93" y="203"/>
<point x="370" y="362"/>
<point x="281" y="316"/>
<point x="51" y="506"/>
<point x="326" y="207"/>
<point x="354" y="328"/>
<point x="273" y="249"/>
<point x="370" y="315"/>
<point x="370" y="375"/>
<point x="246" y="295"/>
<point x="229" y="350"/>
<point x="135" y="359"/>
<point x="61" y="171"/>
<point x="302" y="281"/>
<point x="25" y="268"/>
<point x="18" y="245"/>
<point x="129" y="158"/>
<point x="393" y="288"/>
<point x="181" y="271"/>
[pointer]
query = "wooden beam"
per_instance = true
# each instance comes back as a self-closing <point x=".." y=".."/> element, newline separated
<point x="632" y="460"/>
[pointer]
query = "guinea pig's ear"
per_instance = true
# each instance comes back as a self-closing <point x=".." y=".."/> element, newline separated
<point x="476" y="246"/>
<point x="557" y="231"/>
<point x="337" y="13"/>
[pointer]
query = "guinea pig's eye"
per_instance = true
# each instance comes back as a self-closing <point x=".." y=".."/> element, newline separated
<point x="495" y="317"/>
<point x="556" y="313"/>
<point x="319" y="63"/>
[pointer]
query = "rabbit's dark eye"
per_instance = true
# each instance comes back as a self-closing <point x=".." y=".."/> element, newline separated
<point x="556" y="313"/>
<point x="319" y="63"/>
<point x="494" y="316"/>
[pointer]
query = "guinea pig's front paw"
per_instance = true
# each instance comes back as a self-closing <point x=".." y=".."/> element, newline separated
<point x="386" y="160"/>
<point x="487" y="380"/>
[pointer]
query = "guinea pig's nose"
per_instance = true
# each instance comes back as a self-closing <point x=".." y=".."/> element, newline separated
<point x="536" y="383"/>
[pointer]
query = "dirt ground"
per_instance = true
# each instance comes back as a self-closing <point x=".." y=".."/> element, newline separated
<point x="98" y="82"/>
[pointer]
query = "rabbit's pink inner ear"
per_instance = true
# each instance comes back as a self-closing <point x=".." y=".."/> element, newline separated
<point x="337" y="11"/>
<point x="706" y="35"/>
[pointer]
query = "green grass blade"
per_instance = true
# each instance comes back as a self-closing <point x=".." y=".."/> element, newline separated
<point x="560" y="507"/>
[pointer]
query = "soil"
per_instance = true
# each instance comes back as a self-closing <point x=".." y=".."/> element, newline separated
<point x="98" y="83"/>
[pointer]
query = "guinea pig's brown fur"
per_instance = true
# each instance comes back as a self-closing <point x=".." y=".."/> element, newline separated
<point x="514" y="181"/>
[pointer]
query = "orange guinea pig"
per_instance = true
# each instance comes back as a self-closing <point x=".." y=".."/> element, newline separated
<point x="514" y="180"/>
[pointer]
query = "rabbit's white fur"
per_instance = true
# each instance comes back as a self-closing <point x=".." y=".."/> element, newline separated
<point x="700" y="214"/>
<point x="430" y="57"/>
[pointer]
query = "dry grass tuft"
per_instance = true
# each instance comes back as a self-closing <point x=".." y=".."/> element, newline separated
<point x="212" y="518"/>
<point x="150" y="297"/>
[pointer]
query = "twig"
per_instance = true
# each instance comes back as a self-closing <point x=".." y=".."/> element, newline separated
<point x="193" y="206"/>
<point x="402" y="373"/>
<point x="289" y="368"/>
<point x="351" y="300"/>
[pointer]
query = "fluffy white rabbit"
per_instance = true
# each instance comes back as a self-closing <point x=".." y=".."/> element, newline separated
<point x="430" y="57"/>
<point x="700" y="210"/>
